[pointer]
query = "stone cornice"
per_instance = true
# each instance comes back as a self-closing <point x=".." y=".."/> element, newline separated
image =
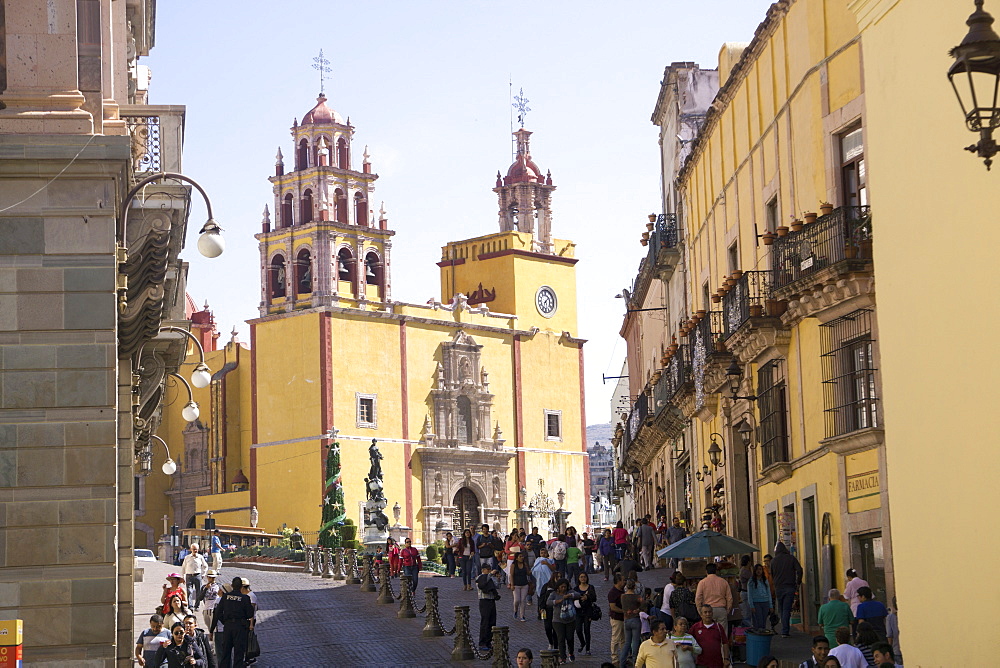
<point x="822" y="300"/>
<point x="756" y="336"/>
<point x="855" y="441"/>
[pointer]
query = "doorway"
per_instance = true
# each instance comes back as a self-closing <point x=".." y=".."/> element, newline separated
<point x="466" y="515"/>
<point x="811" y="556"/>
<point x="868" y="547"/>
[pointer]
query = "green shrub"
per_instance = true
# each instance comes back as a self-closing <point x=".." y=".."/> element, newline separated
<point x="433" y="552"/>
<point x="352" y="545"/>
<point x="348" y="531"/>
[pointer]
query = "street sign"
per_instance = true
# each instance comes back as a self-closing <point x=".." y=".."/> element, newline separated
<point x="11" y="639"/>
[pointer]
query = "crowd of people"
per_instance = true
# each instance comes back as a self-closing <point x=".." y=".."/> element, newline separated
<point x="690" y="621"/>
<point x="229" y="612"/>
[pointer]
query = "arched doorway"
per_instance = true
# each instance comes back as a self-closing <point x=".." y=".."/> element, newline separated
<point x="466" y="510"/>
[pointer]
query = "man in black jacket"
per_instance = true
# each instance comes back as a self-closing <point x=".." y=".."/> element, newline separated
<point x="191" y="629"/>
<point x="786" y="575"/>
<point x="235" y="611"/>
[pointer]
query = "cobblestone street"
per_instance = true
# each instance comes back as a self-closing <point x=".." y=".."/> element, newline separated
<point x="305" y="620"/>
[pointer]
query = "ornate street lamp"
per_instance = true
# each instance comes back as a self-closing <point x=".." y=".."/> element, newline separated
<point x="715" y="452"/>
<point x="975" y="77"/>
<point x="746" y="434"/>
<point x="190" y="412"/>
<point x="202" y="375"/>
<point x="210" y="243"/>
<point x="170" y="466"/>
<point x="734" y="376"/>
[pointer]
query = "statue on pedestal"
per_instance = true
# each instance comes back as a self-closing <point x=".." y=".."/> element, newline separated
<point x="376" y="521"/>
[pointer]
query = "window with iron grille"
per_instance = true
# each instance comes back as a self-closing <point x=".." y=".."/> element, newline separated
<point x="772" y="402"/>
<point x="849" y="382"/>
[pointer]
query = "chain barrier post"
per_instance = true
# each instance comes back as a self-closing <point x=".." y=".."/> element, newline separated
<point x="338" y="571"/>
<point x="501" y="647"/>
<point x="550" y="658"/>
<point x="318" y="562"/>
<point x="327" y="571"/>
<point x="462" y="650"/>
<point x="352" y="567"/>
<point x="367" y="577"/>
<point x="385" y="596"/>
<point x="309" y="560"/>
<point x="406" y="598"/>
<point x="432" y="627"/>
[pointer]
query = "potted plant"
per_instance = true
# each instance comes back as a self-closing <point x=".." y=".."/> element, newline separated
<point x="737" y="275"/>
<point x="825" y="208"/>
<point x="796" y="225"/>
<point x="720" y="344"/>
<point x="644" y="242"/>
<point x="756" y="310"/>
<point x="809" y="217"/>
<point x="771" y="307"/>
<point x="716" y="298"/>
<point x="768" y="238"/>
<point x="645" y="235"/>
<point x="701" y="313"/>
<point x="782" y="231"/>
<point x="850" y="251"/>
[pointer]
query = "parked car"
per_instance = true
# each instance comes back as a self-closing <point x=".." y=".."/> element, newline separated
<point x="144" y="555"/>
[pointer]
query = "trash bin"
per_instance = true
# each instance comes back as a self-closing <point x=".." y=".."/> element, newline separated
<point x="758" y="645"/>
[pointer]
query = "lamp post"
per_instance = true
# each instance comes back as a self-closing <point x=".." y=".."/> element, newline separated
<point x="190" y="412"/>
<point x="202" y="375"/>
<point x="746" y="434"/>
<point x="210" y="243"/>
<point x="975" y="78"/>
<point x="170" y="466"/>
<point x="715" y="452"/>
<point x="734" y="376"/>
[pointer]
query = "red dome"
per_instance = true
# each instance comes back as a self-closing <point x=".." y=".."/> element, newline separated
<point x="240" y="479"/>
<point x="524" y="170"/>
<point x="321" y="114"/>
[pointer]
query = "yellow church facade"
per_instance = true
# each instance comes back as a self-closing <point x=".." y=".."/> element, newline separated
<point x="475" y="399"/>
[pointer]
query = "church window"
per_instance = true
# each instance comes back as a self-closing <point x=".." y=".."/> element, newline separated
<point x="360" y="210"/>
<point x="303" y="272"/>
<point x="340" y="205"/>
<point x="306" y="207"/>
<point x="553" y="425"/>
<point x="373" y="270"/>
<point x="367" y="417"/>
<point x="277" y="276"/>
<point x="343" y="158"/>
<point x="286" y="211"/>
<point x="345" y="265"/>
<point x="464" y="426"/>
<point x="302" y="155"/>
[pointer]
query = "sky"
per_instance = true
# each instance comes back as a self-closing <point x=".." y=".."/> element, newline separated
<point x="427" y="86"/>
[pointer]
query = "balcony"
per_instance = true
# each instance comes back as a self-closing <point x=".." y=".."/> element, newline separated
<point x="747" y="299"/>
<point x="663" y="254"/>
<point x="157" y="133"/>
<point x="751" y="319"/>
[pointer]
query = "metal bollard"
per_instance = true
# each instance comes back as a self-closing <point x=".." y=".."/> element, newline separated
<point x="501" y="647"/>
<point x="432" y="627"/>
<point x="550" y="658"/>
<point x="406" y="602"/>
<point x="462" y="650"/>
<point x="318" y="562"/>
<point x="367" y="574"/>
<point x="309" y="558"/>
<point x="352" y="566"/>
<point x="338" y="569"/>
<point x="385" y="592"/>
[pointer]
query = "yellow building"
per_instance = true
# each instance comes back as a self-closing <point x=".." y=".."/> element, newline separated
<point x="941" y="465"/>
<point x="475" y="400"/>
<point x="777" y="361"/>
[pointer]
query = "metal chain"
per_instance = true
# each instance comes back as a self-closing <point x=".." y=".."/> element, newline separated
<point x="482" y="656"/>
<point x="436" y="614"/>
<point x="422" y="609"/>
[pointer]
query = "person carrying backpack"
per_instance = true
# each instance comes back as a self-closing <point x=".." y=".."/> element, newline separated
<point x="564" y="613"/>
<point x="489" y="593"/>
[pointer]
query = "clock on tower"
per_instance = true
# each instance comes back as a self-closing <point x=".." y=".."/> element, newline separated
<point x="546" y="301"/>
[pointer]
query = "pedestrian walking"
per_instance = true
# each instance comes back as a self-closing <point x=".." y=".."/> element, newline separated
<point x="209" y="595"/>
<point x="627" y="563"/>
<point x="716" y="593"/>
<point x="786" y="573"/>
<point x="534" y="542"/>
<point x="511" y="546"/>
<point x="687" y="647"/>
<point x="851" y="587"/>
<point x="392" y="550"/>
<point x="865" y="640"/>
<point x="847" y="654"/>
<point x="519" y="584"/>
<point x="574" y="559"/>
<point x="871" y="611"/>
<point x="192" y="631"/>
<point x="558" y="550"/>
<point x="296" y="541"/>
<point x="746" y="572"/>
<point x="236" y="613"/>
<point x="682" y="600"/>
<point x="180" y="651"/>
<point x="675" y="533"/>
<point x="178" y="610"/>
<point x="832" y="615"/>
<point x="647" y="542"/>
<point x="150" y="640"/>
<point x="606" y="553"/>
<point x="216" y="550"/>
<point x="589" y="547"/>
<point x="545" y="611"/>
<point x="759" y="597"/>
<point x="193" y="568"/>
<point x="564" y="615"/>
<point x="712" y="638"/>
<point x="542" y="571"/>
<point x="449" y="555"/>
<point x="630" y="602"/>
<point x="892" y="630"/>
<point x="616" y="615"/>
<point x="466" y="557"/>
<point x="489" y="594"/>
<point x="659" y="651"/>
<point x="409" y="556"/>
<point x="620" y="536"/>
<point x="173" y="588"/>
<point x="586" y="601"/>
<point x="820" y="649"/>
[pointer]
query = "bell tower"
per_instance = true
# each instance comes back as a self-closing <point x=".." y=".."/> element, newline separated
<point x="324" y="246"/>
<point x="526" y="197"/>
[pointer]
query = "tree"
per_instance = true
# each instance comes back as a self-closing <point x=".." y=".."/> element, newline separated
<point x="333" y="501"/>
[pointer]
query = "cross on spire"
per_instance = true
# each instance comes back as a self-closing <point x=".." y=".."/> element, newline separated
<point x="521" y="104"/>
<point x="323" y="65"/>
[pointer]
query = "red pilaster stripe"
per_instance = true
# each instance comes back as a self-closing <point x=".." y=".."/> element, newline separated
<point x="405" y="416"/>
<point x="583" y="434"/>
<point x="518" y="414"/>
<point x="326" y="394"/>
<point x="253" y="411"/>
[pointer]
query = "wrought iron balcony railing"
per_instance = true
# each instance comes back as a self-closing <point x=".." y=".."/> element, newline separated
<point x="710" y="329"/>
<point x="845" y="235"/>
<point x="640" y="410"/>
<point x="745" y="300"/>
<point x="678" y="372"/>
<point x="157" y="133"/>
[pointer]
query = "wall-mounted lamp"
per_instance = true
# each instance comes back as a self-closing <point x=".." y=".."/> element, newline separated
<point x="202" y="375"/>
<point x="210" y="243"/>
<point x="715" y="453"/>
<point x="746" y="434"/>
<point x="190" y="412"/>
<point x="734" y="376"/>
<point x="170" y="466"/>
<point x="975" y="77"/>
<point x="703" y="473"/>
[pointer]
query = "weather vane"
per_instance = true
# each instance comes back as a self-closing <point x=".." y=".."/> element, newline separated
<point x="521" y="104"/>
<point x="323" y="65"/>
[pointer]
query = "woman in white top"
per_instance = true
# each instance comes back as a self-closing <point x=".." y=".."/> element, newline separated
<point x="665" y="607"/>
<point x="854" y="583"/>
<point x="687" y="647"/>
